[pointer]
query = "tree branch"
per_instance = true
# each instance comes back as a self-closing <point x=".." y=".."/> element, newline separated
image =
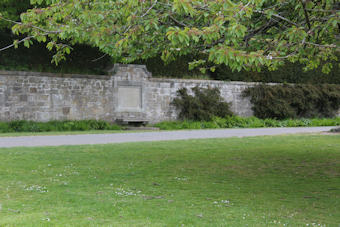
<point x="322" y="10"/>
<point x="149" y="9"/>
<point x="33" y="26"/>
<point x="262" y="29"/>
<point x="324" y="46"/>
<point x="20" y="41"/>
<point x="278" y="16"/>
<point x="306" y="13"/>
<point x="178" y="22"/>
<point x="97" y="59"/>
<point x="245" y="6"/>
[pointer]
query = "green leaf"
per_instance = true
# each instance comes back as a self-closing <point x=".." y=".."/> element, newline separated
<point x="67" y="50"/>
<point x="27" y="43"/>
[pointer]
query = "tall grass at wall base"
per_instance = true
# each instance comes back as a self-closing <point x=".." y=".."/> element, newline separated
<point x="217" y="122"/>
<point x="55" y="126"/>
<point x="248" y="122"/>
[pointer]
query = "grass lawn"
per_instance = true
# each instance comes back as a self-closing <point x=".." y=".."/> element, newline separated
<point x="258" y="181"/>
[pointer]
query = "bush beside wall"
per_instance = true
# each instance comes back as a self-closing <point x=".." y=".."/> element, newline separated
<point x="294" y="101"/>
<point x="203" y="105"/>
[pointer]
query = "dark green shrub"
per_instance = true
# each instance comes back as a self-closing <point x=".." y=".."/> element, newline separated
<point x="203" y="105"/>
<point x="31" y="126"/>
<point x="335" y="130"/>
<point x="294" y="101"/>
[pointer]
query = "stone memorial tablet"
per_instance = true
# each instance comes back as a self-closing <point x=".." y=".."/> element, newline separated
<point x="129" y="98"/>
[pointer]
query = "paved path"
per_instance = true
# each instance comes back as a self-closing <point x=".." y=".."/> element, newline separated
<point x="34" y="141"/>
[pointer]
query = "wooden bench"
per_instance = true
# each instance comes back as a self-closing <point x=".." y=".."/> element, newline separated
<point x="133" y="122"/>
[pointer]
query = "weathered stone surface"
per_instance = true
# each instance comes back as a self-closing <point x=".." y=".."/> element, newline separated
<point x="66" y="110"/>
<point x="23" y="98"/>
<point x="46" y="96"/>
<point x="128" y="93"/>
<point x="129" y="98"/>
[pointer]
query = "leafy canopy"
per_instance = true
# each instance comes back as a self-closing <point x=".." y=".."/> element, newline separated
<point x="243" y="34"/>
<point x="11" y="10"/>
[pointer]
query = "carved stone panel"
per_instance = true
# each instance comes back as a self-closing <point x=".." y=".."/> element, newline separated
<point x="130" y="98"/>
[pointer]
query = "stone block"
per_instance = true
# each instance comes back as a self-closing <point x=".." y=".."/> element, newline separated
<point x="23" y="98"/>
<point x="66" y="110"/>
<point x="33" y="90"/>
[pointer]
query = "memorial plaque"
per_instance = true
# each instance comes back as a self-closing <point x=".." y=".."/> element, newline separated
<point x="129" y="98"/>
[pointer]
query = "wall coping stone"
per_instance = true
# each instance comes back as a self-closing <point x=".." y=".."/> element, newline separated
<point x="174" y="80"/>
<point x="118" y="67"/>
<point x="58" y="75"/>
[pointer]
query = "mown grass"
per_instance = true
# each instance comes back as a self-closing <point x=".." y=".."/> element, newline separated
<point x="258" y="181"/>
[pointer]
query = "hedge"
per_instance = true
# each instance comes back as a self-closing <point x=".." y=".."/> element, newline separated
<point x="294" y="101"/>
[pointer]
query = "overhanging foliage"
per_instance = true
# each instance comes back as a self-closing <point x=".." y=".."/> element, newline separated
<point x="241" y="34"/>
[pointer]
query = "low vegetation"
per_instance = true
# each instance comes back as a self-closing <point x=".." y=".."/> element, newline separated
<point x="258" y="181"/>
<point x="93" y="126"/>
<point x="247" y="122"/>
<point x="56" y="126"/>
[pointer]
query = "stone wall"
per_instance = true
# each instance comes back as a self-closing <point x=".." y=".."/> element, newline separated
<point x="45" y="96"/>
<point x="129" y="93"/>
<point x="160" y="93"/>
